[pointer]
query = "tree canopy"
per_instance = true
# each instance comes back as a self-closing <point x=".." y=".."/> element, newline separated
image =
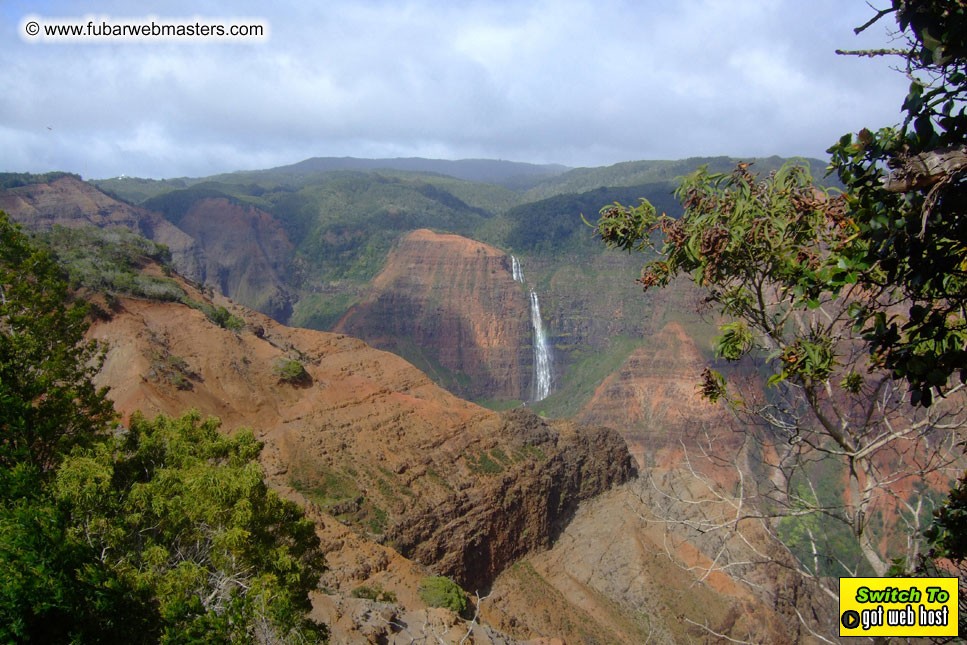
<point x="907" y="200"/>
<point x="48" y="402"/>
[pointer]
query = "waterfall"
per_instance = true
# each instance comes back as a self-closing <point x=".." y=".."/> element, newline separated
<point x="515" y="270"/>
<point x="542" y="354"/>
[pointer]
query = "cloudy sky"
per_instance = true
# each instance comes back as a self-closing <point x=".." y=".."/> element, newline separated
<point x="577" y="82"/>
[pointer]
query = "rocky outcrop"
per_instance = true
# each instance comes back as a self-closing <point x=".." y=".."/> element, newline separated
<point x="247" y="253"/>
<point x="546" y="471"/>
<point x="450" y="305"/>
<point x="72" y="203"/>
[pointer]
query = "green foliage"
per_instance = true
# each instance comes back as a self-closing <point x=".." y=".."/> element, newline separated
<point x="907" y="197"/>
<point x="48" y="403"/>
<point x="555" y="223"/>
<point x="224" y="318"/>
<point x="761" y="249"/>
<point x="315" y="311"/>
<point x="633" y="173"/>
<point x="374" y="593"/>
<point x="137" y="190"/>
<point x="292" y="372"/>
<point x="482" y="464"/>
<point x="182" y="510"/>
<point x="821" y="542"/>
<point x="769" y="255"/>
<point x="172" y="369"/>
<point x="346" y="222"/>
<point x="110" y="261"/>
<point x="174" y="205"/>
<point x="16" y="179"/>
<point x="439" y="591"/>
<point x="54" y="589"/>
<point x="948" y="533"/>
<point x="947" y="537"/>
<point x="528" y="451"/>
<point x="217" y="314"/>
<point x="590" y="367"/>
<point x="906" y="201"/>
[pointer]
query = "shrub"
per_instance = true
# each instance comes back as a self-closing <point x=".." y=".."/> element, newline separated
<point x="292" y="372"/>
<point x="440" y="591"/>
<point x="483" y="464"/>
<point x="374" y="593"/>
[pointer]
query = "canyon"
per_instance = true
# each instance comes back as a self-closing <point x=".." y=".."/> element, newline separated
<point x="405" y="480"/>
<point x="576" y="384"/>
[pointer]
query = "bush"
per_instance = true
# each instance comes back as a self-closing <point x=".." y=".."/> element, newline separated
<point x="374" y="593"/>
<point x="218" y="315"/>
<point x="292" y="372"/>
<point x="440" y="591"/>
<point x="109" y="261"/>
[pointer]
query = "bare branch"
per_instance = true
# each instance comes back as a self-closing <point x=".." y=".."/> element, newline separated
<point x="872" y="52"/>
<point x="879" y="14"/>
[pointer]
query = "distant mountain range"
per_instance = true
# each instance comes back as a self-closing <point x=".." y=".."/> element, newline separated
<point x="511" y="174"/>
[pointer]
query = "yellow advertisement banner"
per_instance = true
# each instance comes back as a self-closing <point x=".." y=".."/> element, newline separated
<point x="898" y="606"/>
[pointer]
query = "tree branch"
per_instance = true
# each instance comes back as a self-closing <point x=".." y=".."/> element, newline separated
<point x="869" y="23"/>
<point x="871" y="53"/>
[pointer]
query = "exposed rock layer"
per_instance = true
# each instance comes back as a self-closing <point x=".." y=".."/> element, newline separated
<point x="523" y="508"/>
<point x="653" y="399"/>
<point x="246" y="251"/>
<point x="453" y="303"/>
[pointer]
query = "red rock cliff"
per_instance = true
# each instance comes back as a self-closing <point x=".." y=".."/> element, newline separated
<point x="450" y="304"/>
<point x="246" y="253"/>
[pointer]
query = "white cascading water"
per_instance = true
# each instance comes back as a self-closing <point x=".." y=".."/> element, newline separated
<point x="542" y="354"/>
<point x="515" y="270"/>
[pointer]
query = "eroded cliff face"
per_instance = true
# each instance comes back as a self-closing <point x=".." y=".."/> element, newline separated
<point x="653" y="399"/>
<point x="451" y="305"/>
<point x="539" y="475"/>
<point x="71" y="203"/>
<point x="247" y="253"/>
<point x="366" y="437"/>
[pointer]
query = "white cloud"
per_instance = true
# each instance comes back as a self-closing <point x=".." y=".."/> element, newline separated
<point x="571" y="81"/>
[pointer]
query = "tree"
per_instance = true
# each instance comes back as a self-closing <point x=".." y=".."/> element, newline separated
<point x="52" y="589"/>
<point x="48" y="402"/>
<point x="176" y="507"/>
<point x="817" y="410"/>
<point x="906" y="197"/>
<point x="440" y="591"/>
<point x="909" y="199"/>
